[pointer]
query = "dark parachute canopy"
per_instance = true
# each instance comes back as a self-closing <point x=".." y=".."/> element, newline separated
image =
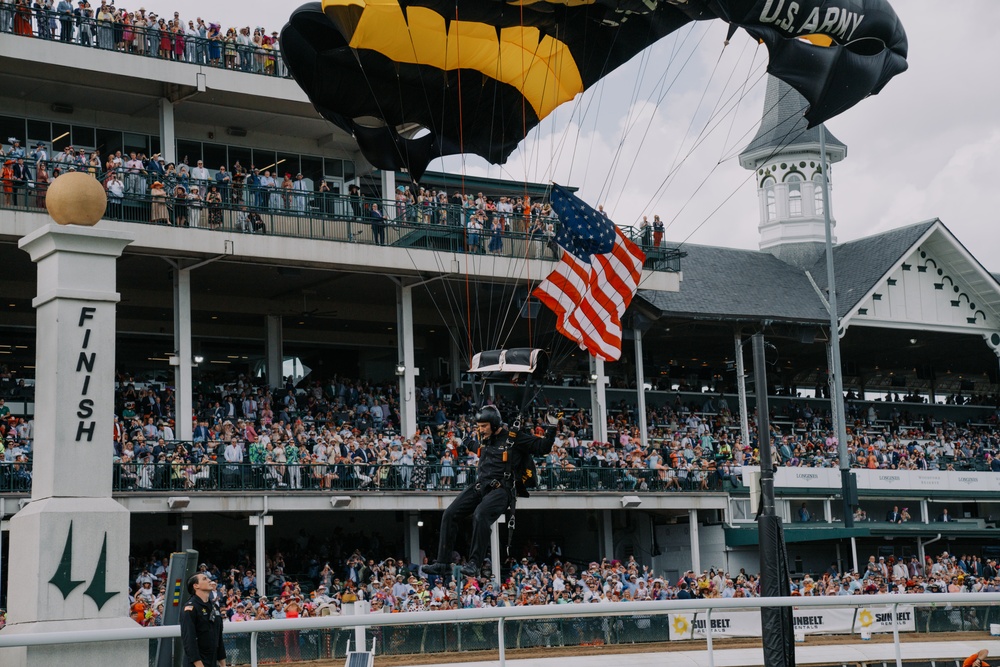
<point x="413" y="80"/>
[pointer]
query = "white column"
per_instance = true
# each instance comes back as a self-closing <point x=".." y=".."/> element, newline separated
<point x="168" y="139"/>
<point x="275" y="358"/>
<point x="407" y="380"/>
<point x="640" y="381"/>
<point x="741" y="384"/>
<point x="413" y="539"/>
<point x="495" y="554"/>
<point x="182" y="361"/>
<point x="260" y="522"/>
<point x="187" y="532"/>
<point x="3" y="529"/>
<point x="598" y="401"/>
<point x="695" y="541"/>
<point x="389" y="192"/>
<point x="607" y="536"/>
<point x="456" y="366"/>
<point x="69" y="545"/>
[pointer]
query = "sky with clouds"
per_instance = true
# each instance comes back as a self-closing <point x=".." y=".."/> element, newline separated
<point x="661" y="134"/>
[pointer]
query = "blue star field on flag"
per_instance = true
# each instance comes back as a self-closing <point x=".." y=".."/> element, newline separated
<point x="582" y="230"/>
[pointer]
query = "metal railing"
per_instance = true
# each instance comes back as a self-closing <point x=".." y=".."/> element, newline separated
<point x="338" y="477"/>
<point x="502" y="615"/>
<point x="277" y="211"/>
<point x="149" y="42"/>
<point x="217" y="475"/>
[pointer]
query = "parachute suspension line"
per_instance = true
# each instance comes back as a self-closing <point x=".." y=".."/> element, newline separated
<point x="375" y="97"/>
<point x="694" y="116"/>
<point x="668" y="178"/>
<point x="698" y="140"/>
<point x="746" y="79"/>
<point x="782" y="144"/>
<point x="786" y="140"/>
<point x="628" y="122"/>
<point x="705" y="180"/>
<point x="461" y="147"/>
<point x="708" y="127"/>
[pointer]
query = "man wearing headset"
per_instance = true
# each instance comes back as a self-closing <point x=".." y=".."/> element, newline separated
<point x="503" y="456"/>
<point x="201" y="625"/>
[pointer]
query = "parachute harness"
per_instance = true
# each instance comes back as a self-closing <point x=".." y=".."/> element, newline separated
<point x="507" y="475"/>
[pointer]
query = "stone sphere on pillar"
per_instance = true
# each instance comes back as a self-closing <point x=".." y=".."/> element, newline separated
<point x="76" y="198"/>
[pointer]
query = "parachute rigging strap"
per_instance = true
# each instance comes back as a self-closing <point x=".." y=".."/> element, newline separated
<point x="509" y="482"/>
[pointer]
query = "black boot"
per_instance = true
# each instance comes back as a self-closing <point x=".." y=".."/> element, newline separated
<point x="470" y="569"/>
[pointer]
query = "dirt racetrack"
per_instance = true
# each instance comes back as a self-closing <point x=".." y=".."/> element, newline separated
<point x="624" y="649"/>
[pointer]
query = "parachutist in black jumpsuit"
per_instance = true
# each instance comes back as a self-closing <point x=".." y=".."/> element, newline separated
<point x="490" y="495"/>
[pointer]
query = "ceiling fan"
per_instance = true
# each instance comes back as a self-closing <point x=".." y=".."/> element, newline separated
<point x="315" y="313"/>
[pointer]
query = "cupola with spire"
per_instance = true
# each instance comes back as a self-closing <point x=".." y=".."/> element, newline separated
<point x="785" y="156"/>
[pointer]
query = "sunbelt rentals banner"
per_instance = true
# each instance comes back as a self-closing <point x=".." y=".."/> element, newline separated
<point x="810" y="621"/>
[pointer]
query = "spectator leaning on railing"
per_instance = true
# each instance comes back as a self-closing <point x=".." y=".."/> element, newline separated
<point x="113" y="28"/>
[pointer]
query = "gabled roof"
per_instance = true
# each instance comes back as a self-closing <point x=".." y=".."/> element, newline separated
<point x="726" y="283"/>
<point x="859" y="265"/>
<point x="730" y="284"/>
<point x="784" y="128"/>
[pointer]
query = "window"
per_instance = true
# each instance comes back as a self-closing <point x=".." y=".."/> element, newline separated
<point x="83" y="137"/>
<point x="794" y="182"/>
<point x="333" y="168"/>
<point x="772" y="206"/>
<point x="264" y="160"/>
<point x="312" y="170"/>
<point x="138" y="143"/>
<point x="109" y="141"/>
<point x="215" y="155"/>
<point x="60" y="137"/>
<point x="11" y="128"/>
<point x="38" y="130"/>
<point x="818" y="193"/>
<point x="242" y="155"/>
<point x="190" y="151"/>
<point x="288" y="163"/>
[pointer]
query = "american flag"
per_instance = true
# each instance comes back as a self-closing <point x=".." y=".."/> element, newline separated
<point x="595" y="279"/>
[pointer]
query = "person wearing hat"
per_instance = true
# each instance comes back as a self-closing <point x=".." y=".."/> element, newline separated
<point x="300" y="188"/>
<point x="201" y="625"/>
<point x="158" y="211"/>
<point x="502" y="458"/>
<point x="40" y="154"/>
<point x="16" y="150"/>
<point x="22" y="174"/>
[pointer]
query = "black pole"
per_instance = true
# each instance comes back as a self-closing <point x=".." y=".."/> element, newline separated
<point x="777" y="630"/>
<point x="763" y="427"/>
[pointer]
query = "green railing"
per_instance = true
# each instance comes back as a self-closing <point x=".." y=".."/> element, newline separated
<point x="209" y="51"/>
<point x="223" y="476"/>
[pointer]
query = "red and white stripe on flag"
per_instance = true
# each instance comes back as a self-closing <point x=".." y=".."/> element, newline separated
<point x="590" y="299"/>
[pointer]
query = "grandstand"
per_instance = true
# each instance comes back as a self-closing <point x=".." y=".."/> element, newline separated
<point x="281" y="305"/>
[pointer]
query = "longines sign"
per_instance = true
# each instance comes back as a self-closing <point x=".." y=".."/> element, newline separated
<point x="902" y="480"/>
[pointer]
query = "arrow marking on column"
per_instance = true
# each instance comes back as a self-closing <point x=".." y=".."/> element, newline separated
<point x="63" y="578"/>
<point x="97" y="591"/>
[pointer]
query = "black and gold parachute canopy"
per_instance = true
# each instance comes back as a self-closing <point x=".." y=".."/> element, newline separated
<point x="413" y="80"/>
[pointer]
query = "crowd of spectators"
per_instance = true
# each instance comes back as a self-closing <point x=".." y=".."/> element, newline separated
<point x="344" y="434"/>
<point x="195" y="195"/>
<point x="327" y="581"/>
<point x="113" y="28"/>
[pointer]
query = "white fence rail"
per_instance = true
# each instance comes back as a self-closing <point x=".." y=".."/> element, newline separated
<point x="501" y="614"/>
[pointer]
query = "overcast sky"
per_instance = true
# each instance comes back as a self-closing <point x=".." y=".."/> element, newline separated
<point x="926" y="147"/>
